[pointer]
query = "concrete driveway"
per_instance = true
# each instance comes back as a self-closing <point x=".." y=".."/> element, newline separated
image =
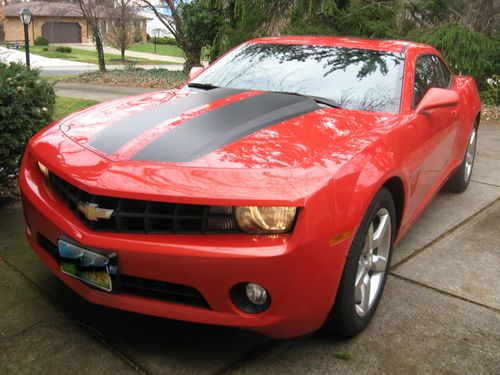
<point x="57" y="67"/>
<point x="45" y="64"/>
<point x="440" y="312"/>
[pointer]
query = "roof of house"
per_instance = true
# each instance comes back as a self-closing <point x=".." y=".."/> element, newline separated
<point x="47" y="9"/>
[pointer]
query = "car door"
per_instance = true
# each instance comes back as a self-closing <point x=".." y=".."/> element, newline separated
<point x="438" y="126"/>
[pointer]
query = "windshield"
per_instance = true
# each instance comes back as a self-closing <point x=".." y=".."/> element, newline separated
<point x="354" y="78"/>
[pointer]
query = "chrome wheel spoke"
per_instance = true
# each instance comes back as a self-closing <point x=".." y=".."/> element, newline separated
<point x="364" y="293"/>
<point x="369" y="240"/>
<point x="378" y="263"/>
<point x="470" y="154"/>
<point x="358" y="286"/>
<point x="381" y="231"/>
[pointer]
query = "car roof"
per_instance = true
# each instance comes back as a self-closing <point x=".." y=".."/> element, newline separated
<point x="397" y="46"/>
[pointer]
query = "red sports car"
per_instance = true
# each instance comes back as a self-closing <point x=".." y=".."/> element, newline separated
<point x="265" y="194"/>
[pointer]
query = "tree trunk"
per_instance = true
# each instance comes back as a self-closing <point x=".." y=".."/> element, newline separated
<point x="193" y="58"/>
<point x="100" y="52"/>
<point x="123" y="53"/>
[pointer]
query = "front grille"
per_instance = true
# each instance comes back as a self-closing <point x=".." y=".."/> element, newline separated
<point x="153" y="289"/>
<point x="139" y="216"/>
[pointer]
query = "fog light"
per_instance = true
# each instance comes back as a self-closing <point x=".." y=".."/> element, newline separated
<point x="251" y="297"/>
<point x="256" y="294"/>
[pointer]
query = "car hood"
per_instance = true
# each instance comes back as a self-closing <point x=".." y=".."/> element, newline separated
<point x="201" y="144"/>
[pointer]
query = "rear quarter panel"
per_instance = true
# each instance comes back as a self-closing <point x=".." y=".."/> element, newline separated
<point x="469" y="109"/>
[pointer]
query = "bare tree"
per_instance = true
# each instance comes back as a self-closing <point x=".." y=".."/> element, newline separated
<point x="121" y="25"/>
<point x="2" y="31"/>
<point x="92" y="11"/>
<point x="173" y="23"/>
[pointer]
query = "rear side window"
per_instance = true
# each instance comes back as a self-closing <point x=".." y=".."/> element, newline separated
<point x="428" y="73"/>
<point x="446" y="73"/>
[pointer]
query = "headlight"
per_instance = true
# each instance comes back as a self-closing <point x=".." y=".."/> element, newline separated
<point x="265" y="220"/>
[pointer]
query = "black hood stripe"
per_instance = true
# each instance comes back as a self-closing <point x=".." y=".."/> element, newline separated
<point x="222" y="126"/>
<point x="116" y="135"/>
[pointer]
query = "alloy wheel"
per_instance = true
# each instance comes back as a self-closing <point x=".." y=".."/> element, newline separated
<point x="372" y="264"/>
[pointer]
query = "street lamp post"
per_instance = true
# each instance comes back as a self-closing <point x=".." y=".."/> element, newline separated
<point x="25" y="16"/>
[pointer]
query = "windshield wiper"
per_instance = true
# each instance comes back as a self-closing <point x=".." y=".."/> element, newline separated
<point x="203" y="86"/>
<point x="318" y="99"/>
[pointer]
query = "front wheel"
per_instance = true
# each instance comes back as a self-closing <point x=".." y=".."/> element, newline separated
<point x="460" y="179"/>
<point x="365" y="270"/>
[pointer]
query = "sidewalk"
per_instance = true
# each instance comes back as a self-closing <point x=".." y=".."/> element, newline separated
<point x="143" y="55"/>
<point x="440" y="312"/>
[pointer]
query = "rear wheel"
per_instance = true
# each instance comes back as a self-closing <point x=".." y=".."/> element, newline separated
<point x="460" y="179"/>
<point x="365" y="270"/>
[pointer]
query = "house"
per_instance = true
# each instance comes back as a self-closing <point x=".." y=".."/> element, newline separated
<point x="154" y="27"/>
<point x="58" y="22"/>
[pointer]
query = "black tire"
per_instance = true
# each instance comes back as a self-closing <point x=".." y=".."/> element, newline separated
<point x="344" y="319"/>
<point x="460" y="179"/>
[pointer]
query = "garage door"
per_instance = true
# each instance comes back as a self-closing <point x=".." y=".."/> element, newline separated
<point x="62" y="32"/>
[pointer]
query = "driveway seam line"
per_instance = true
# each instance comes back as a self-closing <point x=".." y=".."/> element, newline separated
<point x="444" y="235"/>
<point x="485" y="183"/>
<point x="92" y="331"/>
<point x="446" y="293"/>
<point x="249" y="357"/>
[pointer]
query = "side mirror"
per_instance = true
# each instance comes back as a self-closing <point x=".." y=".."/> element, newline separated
<point x="195" y="70"/>
<point x="437" y="98"/>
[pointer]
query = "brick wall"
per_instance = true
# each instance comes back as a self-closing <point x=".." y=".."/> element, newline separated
<point x="14" y="31"/>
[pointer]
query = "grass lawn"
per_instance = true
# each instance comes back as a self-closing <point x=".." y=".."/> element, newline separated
<point x="161" y="49"/>
<point x="65" y="106"/>
<point x="90" y="56"/>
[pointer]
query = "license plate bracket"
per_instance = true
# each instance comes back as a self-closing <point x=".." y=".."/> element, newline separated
<point x="91" y="266"/>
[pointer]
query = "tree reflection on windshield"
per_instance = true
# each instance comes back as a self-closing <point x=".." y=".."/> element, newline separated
<point x="355" y="78"/>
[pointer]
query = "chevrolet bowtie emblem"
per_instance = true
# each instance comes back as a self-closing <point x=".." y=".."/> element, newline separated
<point x="93" y="212"/>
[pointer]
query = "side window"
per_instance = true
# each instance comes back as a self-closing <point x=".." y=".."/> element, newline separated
<point x="428" y="74"/>
<point x="446" y="73"/>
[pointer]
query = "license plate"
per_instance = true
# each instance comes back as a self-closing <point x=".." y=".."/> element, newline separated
<point x="86" y="265"/>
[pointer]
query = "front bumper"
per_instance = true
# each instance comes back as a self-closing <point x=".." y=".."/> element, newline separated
<point x="301" y="271"/>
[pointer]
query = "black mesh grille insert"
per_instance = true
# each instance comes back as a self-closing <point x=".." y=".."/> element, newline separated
<point x="175" y="293"/>
<point x="138" y="216"/>
<point x="154" y="289"/>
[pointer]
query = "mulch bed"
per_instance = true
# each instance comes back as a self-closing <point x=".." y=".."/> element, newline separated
<point x="490" y="113"/>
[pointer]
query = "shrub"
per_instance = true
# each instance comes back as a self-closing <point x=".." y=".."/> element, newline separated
<point x="63" y="49"/>
<point x="26" y="105"/>
<point x="164" y="40"/>
<point x="137" y="37"/>
<point x="41" y="41"/>
<point x="491" y="94"/>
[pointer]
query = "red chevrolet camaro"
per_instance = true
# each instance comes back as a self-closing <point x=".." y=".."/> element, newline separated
<point x="265" y="194"/>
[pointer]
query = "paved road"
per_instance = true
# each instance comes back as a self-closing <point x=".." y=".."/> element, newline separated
<point x="440" y="312"/>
